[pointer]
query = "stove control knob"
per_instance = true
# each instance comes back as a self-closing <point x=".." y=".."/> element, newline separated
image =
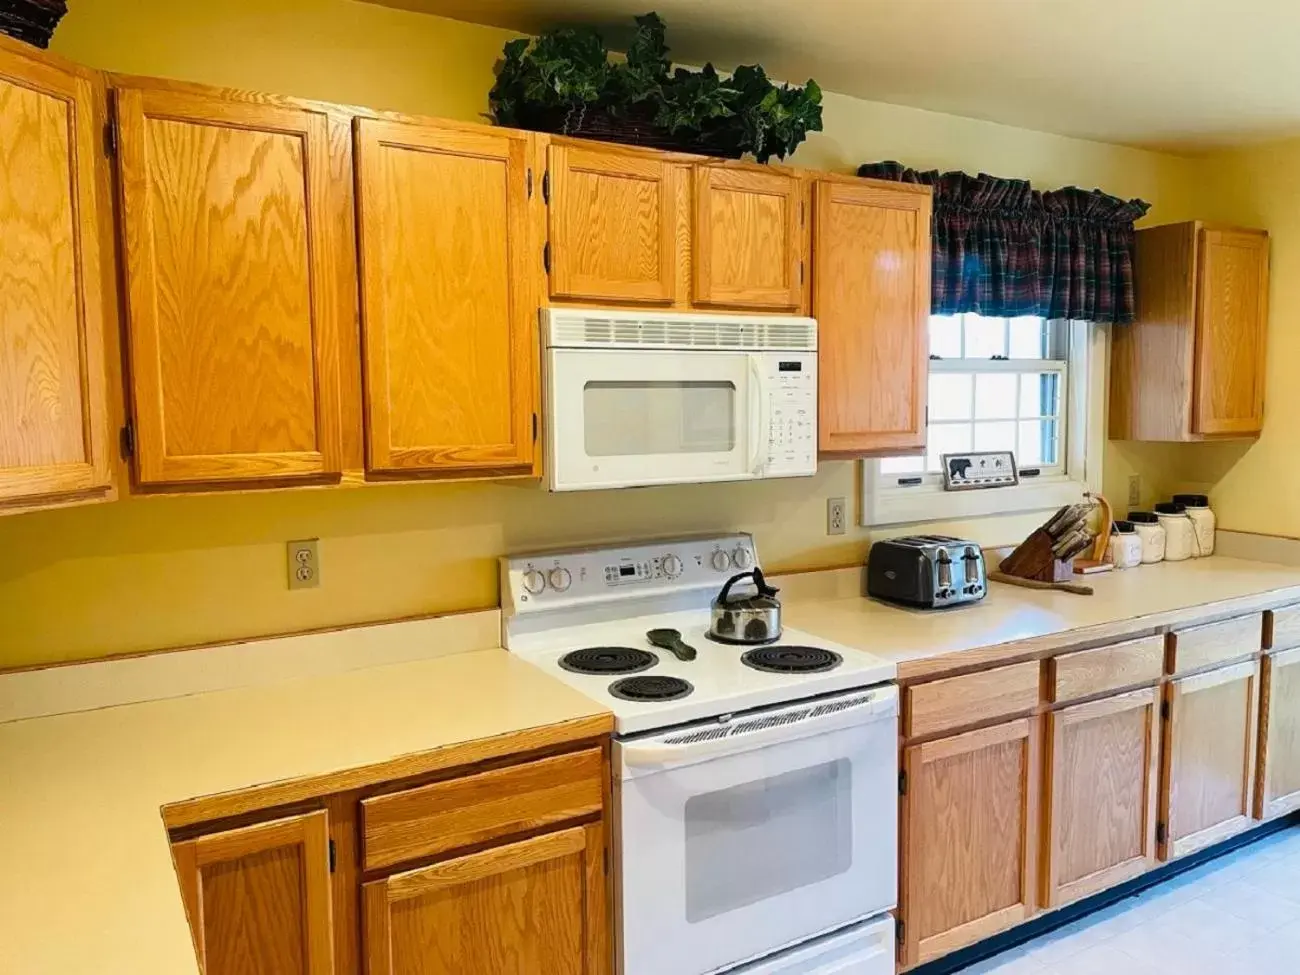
<point x="534" y="581"/>
<point x="721" y="561"/>
<point x="741" y="558"/>
<point x="672" y="566"/>
<point x="560" y="579"/>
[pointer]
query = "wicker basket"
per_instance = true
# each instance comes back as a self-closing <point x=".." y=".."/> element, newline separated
<point x="32" y="21"/>
<point x="624" y="130"/>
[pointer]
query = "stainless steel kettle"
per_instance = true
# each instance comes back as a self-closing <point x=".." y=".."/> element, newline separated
<point x="751" y="618"/>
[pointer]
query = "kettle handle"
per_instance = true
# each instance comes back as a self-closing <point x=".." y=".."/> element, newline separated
<point x="757" y="575"/>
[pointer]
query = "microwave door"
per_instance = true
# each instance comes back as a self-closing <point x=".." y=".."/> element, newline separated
<point x="636" y="417"/>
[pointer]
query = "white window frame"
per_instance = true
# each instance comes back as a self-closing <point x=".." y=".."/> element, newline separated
<point x="1084" y="412"/>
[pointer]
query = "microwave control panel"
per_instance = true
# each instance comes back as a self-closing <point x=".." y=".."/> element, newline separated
<point x="791" y="379"/>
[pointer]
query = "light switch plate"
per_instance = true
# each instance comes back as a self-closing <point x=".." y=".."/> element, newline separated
<point x="304" y="564"/>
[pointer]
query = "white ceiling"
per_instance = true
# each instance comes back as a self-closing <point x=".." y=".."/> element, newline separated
<point x="1173" y="74"/>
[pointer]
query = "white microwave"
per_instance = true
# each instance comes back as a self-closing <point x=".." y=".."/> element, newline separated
<point x="641" y="398"/>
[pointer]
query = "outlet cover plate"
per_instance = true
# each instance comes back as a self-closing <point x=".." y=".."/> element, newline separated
<point x="836" y="516"/>
<point x="304" y="563"/>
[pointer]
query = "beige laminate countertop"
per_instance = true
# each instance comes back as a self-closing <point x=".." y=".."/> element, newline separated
<point x="1013" y="622"/>
<point x="86" y="877"/>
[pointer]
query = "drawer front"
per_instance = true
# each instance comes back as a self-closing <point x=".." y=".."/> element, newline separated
<point x="1286" y="628"/>
<point x="435" y="818"/>
<point x="1072" y="676"/>
<point x="1217" y="643"/>
<point x="956" y="702"/>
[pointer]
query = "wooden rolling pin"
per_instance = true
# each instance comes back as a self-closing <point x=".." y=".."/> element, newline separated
<point x="1010" y="580"/>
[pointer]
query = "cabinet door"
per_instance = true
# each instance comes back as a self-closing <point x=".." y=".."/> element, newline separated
<point x="535" y="906"/>
<point x="612" y="225"/>
<point x="233" y="265"/>
<point x="969" y="838"/>
<point x="871" y="299"/>
<point x="258" y="898"/>
<point x="1279" y="740"/>
<point x="748" y="243"/>
<point x="450" y="287"/>
<point x="1232" y="325"/>
<point x="1209" y="758"/>
<point x="53" y="409"/>
<point x="1102" y="771"/>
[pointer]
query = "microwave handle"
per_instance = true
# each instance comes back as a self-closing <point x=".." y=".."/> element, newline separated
<point x="760" y="420"/>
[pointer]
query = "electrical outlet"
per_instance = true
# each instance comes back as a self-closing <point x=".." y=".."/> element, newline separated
<point x="835" y="520"/>
<point x="1134" y="490"/>
<point x="304" y="564"/>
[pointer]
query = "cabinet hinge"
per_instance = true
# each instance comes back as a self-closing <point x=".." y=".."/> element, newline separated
<point x="546" y="256"/>
<point x="1164" y="710"/>
<point x="127" y="440"/>
<point x="801" y="212"/>
<point x="333" y="856"/>
<point x="534" y="428"/>
<point x="1162" y="832"/>
<point x="801" y="272"/>
<point x="900" y="931"/>
<point x="529" y="180"/>
<point x="902" y="782"/>
<point x="546" y="187"/>
<point x="110" y="138"/>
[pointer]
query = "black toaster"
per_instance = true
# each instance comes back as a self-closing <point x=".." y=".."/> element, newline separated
<point x="929" y="571"/>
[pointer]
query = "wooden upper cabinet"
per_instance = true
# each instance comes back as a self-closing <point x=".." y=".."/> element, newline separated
<point x="534" y="906"/>
<point x="613" y="224"/>
<point x="1191" y="366"/>
<point x="451" y="278"/>
<point x="969" y="833"/>
<point x="237" y="268"/>
<point x="748" y="239"/>
<point x="54" y="436"/>
<point x="871" y="299"/>
<point x="1207" y="787"/>
<point x="258" y="898"/>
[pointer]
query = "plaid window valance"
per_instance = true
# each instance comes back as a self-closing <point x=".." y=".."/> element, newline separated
<point x="1002" y="248"/>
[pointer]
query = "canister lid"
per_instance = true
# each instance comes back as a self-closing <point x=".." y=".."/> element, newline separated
<point x="1143" y="518"/>
<point x="1124" y="528"/>
<point x="1192" y="500"/>
<point x="1170" y="508"/>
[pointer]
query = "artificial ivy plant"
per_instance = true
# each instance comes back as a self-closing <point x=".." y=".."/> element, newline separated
<point x="562" y="80"/>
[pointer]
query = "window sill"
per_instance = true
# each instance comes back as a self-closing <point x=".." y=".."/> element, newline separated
<point x="930" y="502"/>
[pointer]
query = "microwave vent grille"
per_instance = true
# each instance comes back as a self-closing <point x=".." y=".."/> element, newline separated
<point x="594" y="330"/>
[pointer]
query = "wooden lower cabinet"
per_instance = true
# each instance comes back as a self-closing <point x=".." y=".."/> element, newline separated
<point x="1208" y="769"/>
<point x="969" y="832"/>
<point x="1279" y="739"/>
<point x="533" y="906"/>
<point x="1102" y="771"/>
<point x="258" y="898"/>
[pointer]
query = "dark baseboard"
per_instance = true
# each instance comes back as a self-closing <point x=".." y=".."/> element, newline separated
<point x="1067" y="915"/>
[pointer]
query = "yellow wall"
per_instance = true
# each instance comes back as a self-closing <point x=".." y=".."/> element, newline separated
<point x="158" y="572"/>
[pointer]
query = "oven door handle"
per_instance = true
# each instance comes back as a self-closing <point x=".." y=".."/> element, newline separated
<point x="759" y="420"/>
<point x="880" y="705"/>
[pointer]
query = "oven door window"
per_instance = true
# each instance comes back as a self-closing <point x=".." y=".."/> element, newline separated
<point x="631" y="418"/>
<point x="763" y="839"/>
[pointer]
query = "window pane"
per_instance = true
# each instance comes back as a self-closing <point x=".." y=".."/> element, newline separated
<point x="1038" y="443"/>
<point x="950" y="395"/>
<point x="945" y="336"/>
<point x="1028" y="338"/>
<point x="995" y="396"/>
<point x="995" y="436"/>
<point x="898" y="466"/>
<point x="946" y="438"/>
<point x="985" y="337"/>
<point x="1040" y="394"/>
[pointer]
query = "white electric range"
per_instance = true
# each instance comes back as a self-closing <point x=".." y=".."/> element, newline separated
<point x="756" y="813"/>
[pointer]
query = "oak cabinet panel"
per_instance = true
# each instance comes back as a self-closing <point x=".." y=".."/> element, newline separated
<point x="536" y="905"/>
<point x="1102" y="771"/>
<point x="1279" y="739"/>
<point x="748" y="239"/>
<point x="1209" y="758"/>
<point x="1231" y="332"/>
<point x="613" y="220"/>
<point x="258" y="898"/>
<point x="234" y="264"/>
<point x="54" y="436"/>
<point x="451" y="280"/>
<point x="969" y="826"/>
<point x="871" y="299"/>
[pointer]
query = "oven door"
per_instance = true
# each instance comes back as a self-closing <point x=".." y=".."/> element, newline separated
<point x="732" y="848"/>
<point x="624" y="418"/>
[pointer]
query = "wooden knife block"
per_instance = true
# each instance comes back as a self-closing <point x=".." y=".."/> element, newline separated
<point x="1033" y="559"/>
